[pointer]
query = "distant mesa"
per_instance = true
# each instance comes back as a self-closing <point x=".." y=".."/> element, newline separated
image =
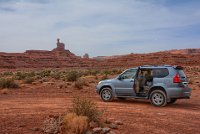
<point x="60" y="57"/>
<point x="59" y="50"/>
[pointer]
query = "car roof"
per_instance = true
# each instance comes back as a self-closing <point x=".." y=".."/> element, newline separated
<point x="155" y="66"/>
<point x="152" y="66"/>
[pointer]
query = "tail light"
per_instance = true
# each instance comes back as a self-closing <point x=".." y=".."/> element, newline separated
<point x="177" y="79"/>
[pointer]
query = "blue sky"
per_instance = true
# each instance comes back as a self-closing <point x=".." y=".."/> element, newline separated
<point x="100" y="27"/>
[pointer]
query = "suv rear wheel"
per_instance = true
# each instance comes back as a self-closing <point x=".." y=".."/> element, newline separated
<point x="106" y="94"/>
<point x="158" y="98"/>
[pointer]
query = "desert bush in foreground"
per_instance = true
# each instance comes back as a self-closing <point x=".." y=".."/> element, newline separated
<point x="8" y="83"/>
<point x="74" y="124"/>
<point x="86" y="107"/>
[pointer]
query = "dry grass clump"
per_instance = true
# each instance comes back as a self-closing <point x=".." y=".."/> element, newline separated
<point x="72" y="76"/>
<point x="80" y="83"/>
<point x="44" y="73"/>
<point x="8" y="83"/>
<point x="74" y="124"/>
<point x="20" y="75"/>
<point x="29" y="80"/>
<point x="3" y="74"/>
<point x="86" y="107"/>
<point x="56" y="75"/>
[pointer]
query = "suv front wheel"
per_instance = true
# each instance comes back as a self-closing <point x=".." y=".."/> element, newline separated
<point x="158" y="98"/>
<point x="106" y="94"/>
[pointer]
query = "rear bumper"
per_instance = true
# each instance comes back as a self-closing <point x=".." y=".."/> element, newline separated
<point x="179" y="93"/>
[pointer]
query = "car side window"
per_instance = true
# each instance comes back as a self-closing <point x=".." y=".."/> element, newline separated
<point x="160" y="72"/>
<point x="129" y="74"/>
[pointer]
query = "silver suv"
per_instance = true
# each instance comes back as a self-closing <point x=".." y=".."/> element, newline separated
<point x="160" y="84"/>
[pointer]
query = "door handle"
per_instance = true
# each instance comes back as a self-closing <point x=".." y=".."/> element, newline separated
<point x="131" y="80"/>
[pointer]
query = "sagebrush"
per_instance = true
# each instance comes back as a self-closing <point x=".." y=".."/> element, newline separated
<point x="8" y="83"/>
<point x="86" y="107"/>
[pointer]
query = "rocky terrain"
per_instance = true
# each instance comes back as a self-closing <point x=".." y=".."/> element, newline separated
<point x="26" y="108"/>
<point x="37" y="86"/>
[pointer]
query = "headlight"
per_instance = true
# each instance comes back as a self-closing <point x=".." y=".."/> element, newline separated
<point x="99" y="82"/>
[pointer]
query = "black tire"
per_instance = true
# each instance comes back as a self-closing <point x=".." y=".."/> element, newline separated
<point x="172" y="101"/>
<point x="158" y="98"/>
<point x="106" y="94"/>
<point x="121" y="98"/>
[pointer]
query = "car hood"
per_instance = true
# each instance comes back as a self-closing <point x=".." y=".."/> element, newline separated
<point x="108" y="80"/>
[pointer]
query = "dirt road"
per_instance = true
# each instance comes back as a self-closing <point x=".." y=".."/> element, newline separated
<point x="23" y="110"/>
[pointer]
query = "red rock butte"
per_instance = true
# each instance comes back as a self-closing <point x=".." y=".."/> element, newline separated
<point x="59" y="57"/>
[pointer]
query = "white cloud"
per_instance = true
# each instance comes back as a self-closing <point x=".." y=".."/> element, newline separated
<point x="95" y="27"/>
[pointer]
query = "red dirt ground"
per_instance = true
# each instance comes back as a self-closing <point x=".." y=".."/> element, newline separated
<point x="24" y="109"/>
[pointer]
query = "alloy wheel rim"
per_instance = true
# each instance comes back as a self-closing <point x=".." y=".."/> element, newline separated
<point x="157" y="98"/>
<point x="106" y="95"/>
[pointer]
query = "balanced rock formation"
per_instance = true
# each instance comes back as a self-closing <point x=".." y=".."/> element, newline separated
<point x="57" y="58"/>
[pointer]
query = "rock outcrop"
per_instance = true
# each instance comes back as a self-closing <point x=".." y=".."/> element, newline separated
<point x="62" y="58"/>
<point x="57" y="58"/>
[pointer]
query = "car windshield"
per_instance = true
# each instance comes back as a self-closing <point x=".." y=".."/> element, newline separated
<point x="128" y="74"/>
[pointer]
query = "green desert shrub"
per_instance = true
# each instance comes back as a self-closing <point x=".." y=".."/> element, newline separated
<point x="7" y="73"/>
<point x="72" y="76"/>
<point x="92" y="72"/>
<point x="20" y="75"/>
<point x="86" y="107"/>
<point x="80" y="83"/>
<point x="31" y="74"/>
<point x="8" y="83"/>
<point x="29" y="80"/>
<point x="44" y="73"/>
<point x="56" y="75"/>
<point x="106" y="72"/>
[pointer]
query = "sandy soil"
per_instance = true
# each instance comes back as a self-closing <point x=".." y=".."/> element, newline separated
<point x="24" y="109"/>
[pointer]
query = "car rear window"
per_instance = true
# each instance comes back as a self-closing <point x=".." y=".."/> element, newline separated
<point x="160" y="72"/>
